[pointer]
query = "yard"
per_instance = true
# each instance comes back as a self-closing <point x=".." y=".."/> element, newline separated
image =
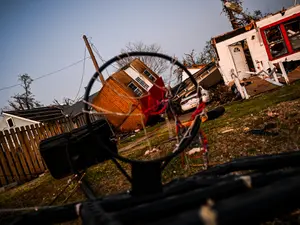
<point x="230" y="136"/>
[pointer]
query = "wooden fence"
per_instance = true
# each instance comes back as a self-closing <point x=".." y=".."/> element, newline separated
<point x="20" y="158"/>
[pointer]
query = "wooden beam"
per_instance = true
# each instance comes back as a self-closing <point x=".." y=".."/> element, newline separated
<point x="284" y="73"/>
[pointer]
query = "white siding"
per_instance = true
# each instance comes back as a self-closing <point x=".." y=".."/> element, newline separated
<point x="135" y="74"/>
<point x="272" y="19"/>
<point x="2" y="123"/>
<point x="192" y="71"/>
<point x="257" y="50"/>
<point x="295" y="56"/>
<point x="18" y="122"/>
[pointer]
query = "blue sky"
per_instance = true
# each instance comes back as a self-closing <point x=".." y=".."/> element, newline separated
<point x="41" y="36"/>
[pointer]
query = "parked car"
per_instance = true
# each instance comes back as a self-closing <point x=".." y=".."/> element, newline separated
<point x="189" y="102"/>
<point x="192" y="100"/>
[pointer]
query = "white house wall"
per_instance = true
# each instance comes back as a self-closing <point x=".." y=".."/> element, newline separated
<point x="18" y="121"/>
<point x="257" y="50"/>
<point x="186" y="76"/>
<point x="295" y="56"/>
<point x="272" y="19"/>
<point x="3" y="123"/>
<point x="134" y="74"/>
<point x="275" y="18"/>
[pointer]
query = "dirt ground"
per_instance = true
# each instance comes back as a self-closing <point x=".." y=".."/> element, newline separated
<point x="236" y="134"/>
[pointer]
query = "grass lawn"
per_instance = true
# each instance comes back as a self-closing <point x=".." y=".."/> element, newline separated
<point x="228" y="139"/>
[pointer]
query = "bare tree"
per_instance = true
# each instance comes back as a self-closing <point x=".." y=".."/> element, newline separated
<point x="206" y="56"/>
<point x="190" y="58"/>
<point x="156" y="64"/>
<point x="25" y="100"/>
<point x="237" y="17"/>
<point x="65" y="102"/>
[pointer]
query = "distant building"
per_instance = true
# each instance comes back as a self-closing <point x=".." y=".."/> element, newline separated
<point x="19" y="118"/>
<point x="207" y="76"/>
<point x="8" y="121"/>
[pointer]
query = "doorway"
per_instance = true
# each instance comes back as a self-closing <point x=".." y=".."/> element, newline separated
<point x="242" y="58"/>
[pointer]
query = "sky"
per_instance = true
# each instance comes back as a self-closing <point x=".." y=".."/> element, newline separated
<point x="42" y="36"/>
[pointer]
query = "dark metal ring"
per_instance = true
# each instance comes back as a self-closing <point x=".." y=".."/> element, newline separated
<point x="184" y="142"/>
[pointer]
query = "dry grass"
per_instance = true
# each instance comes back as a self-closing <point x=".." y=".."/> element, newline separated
<point x="228" y="139"/>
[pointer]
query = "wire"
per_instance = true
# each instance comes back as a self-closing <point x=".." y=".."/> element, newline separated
<point x="4" y="88"/>
<point x="100" y="57"/>
<point x="83" y="72"/>
<point x="48" y="74"/>
<point x="64" y="68"/>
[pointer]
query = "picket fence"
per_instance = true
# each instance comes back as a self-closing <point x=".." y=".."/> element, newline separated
<point x="20" y="159"/>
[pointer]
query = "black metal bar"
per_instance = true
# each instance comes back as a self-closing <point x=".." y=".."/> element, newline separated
<point x="47" y="216"/>
<point x="253" y="207"/>
<point x="175" y="204"/>
<point x="87" y="190"/>
<point x="121" y="169"/>
<point x="263" y="162"/>
<point x="186" y="195"/>
<point x="146" y="178"/>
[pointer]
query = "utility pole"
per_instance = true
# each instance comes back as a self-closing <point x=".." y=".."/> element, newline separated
<point x="93" y="59"/>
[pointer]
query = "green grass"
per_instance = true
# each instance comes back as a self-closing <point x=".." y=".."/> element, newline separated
<point x="123" y="143"/>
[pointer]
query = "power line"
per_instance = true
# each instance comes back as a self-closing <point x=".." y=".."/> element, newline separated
<point x="98" y="54"/>
<point x="82" y="75"/>
<point x="48" y="74"/>
<point x="8" y="87"/>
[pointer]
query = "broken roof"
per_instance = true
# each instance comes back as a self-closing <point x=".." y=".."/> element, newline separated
<point x="233" y="33"/>
<point x="244" y="29"/>
<point x="42" y="114"/>
<point x="77" y="107"/>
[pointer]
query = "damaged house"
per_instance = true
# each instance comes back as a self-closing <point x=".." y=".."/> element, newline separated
<point x="127" y="94"/>
<point x="206" y="75"/>
<point x="253" y="57"/>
